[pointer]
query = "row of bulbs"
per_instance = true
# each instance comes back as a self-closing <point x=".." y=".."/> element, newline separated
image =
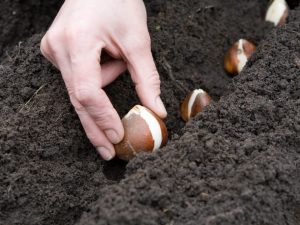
<point x="146" y="132"/>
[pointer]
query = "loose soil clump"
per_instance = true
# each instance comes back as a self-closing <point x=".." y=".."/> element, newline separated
<point x="235" y="163"/>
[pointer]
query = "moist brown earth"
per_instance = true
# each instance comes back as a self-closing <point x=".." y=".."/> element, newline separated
<point x="238" y="162"/>
<point x="20" y="19"/>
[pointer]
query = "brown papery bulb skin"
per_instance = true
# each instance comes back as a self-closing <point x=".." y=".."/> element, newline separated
<point x="238" y="55"/>
<point x="277" y="12"/>
<point x="144" y="132"/>
<point x="194" y="103"/>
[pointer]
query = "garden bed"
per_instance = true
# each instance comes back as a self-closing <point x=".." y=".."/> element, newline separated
<point x="238" y="162"/>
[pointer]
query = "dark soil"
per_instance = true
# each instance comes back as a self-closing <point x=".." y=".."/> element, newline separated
<point x="22" y="18"/>
<point x="236" y="163"/>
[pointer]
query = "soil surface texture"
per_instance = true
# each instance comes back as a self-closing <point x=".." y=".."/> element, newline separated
<point x="238" y="162"/>
<point x="22" y="18"/>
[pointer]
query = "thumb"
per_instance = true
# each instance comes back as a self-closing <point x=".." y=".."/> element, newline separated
<point x="141" y="66"/>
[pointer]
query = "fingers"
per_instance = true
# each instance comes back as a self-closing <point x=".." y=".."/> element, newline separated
<point x="87" y="83"/>
<point x="98" y="117"/>
<point x="94" y="134"/>
<point x="74" y="44"/>
<point x="144" y="74"/>
<point x="84" y="79"/>
<point x="53" y="48"/>
<point x="111" y="70"/>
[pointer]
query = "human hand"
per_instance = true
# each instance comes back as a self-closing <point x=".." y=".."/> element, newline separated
<point x="79" y="35"/>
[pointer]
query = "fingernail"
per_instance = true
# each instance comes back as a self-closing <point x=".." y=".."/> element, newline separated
<point x="112" y="136"/>
<point x="160" y="105"/>
<point x="105" y="153"/>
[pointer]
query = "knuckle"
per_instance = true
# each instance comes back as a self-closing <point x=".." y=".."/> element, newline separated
<point x="153" y="78"/>
<point x="50" y="42"/>
<point x="80" y="110"/>
<point x="154" y="81"/>
<point x="138" y="43"/>
<point x="92" y="137"/>
<point x="44" y="47"/>
<point x="68" y="87"/>
<point x="53" y="36"/>
<point x="104" y="118"/>
<point x="83" y="100"/>
<point x="74" y="32"/>
<point x="151" y="82"/>
<point x="84" y="95"/>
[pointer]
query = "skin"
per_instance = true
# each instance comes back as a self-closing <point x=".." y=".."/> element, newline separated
<point x="92" y="42"/>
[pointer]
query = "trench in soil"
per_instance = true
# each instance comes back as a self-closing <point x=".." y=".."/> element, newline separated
<point x="214" y="80"/>
<point x="189" y="53"/>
